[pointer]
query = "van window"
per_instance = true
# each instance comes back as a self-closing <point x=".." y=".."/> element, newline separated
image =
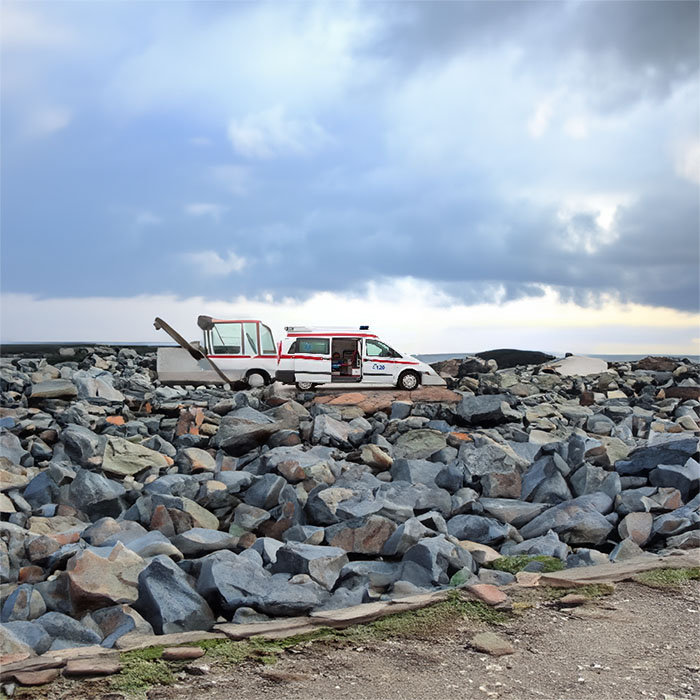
<point x="266" y="341"/>
<point x="312" y="346"/>
<point x="226" y="338"/>
<point x="375" y="348"/>
<point x="250" y="333"/>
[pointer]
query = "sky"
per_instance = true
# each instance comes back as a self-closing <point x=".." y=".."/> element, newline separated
<point x="458" y="175"/>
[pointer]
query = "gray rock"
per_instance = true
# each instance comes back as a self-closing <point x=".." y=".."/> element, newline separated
<point x="544" y="481"/>
<point x="490" y="457"/>
<point x="400" y="410"/>
<point x="67" y="632"/>
<point x="250" y="517"/>
<point x="578" y="521"/>
<point x="122" y="457"/>
<point x="237" y="437"/>
<point x="644" y="459"/>
<point x="11" y="447"/>
<point x="323" y="564"/>
<point x="361" y="535"/>
<point x="265" y="492"/>
<point x="635" y="500"/>
<point x="168" y="601"/>
<point x="23" y="604"/>
<point x="486" y="411"/>
<point x="600" y="424"/>
<point x="327" y="430"/>
<point x="54" y="389"/>
<point x="31" y="634"/>
<point x="153" y="544"/>
<point x="678" y="521"/>
<point x="418" y="444"/>
<point x="193" y="459"/>
<point x="440" y="558"/>
<point x="96" y="495"/>
<point x="416" y="471"/>
<point x="627" y="549"/>
<point x="495" y="578"/>
<point x="684" y="477"/>
<point x="588" y="479"/>
<point x="376" y="573"/>
<point x="478" y="528"/>
<point x="404" y="537"/>
<point x="548" y="545"/>
<point x="82" y="444"/>
<point x="637" y="527"/>
<point x="516" y="513"/>
<point x="200" y="541"/>
<point x="585" y="557"/>
<point x="117" y="620"/>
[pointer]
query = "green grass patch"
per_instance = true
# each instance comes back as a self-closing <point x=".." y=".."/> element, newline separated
<point x="141" y="670"/>
<point x="664" y="578"/>
<point x="518" y="562"/>
<point x="525" y="598"/>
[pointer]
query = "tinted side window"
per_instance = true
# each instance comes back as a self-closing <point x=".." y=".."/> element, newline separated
<point x="312" y="346"/>
<point x="266" y="341"/>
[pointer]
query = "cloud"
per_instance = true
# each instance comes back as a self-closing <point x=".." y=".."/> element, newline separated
<point x="24" y="29"/>
<point x="271" y="133"/>
<point x="210" y="263"/>
<point x="539" y="123"/>
<point x="45" y="121"/>
<point x="147" y="218"/>
<point x="687" y="161"/>
<point x="214" y="211"/>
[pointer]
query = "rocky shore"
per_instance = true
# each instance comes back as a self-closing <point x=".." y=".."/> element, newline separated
<point x="130" y="508"/>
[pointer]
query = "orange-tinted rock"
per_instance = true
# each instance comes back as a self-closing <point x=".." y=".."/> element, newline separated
<point x="161" y="520"/>
<point x="30" y="574"/>
<point x="36" y="677"/>
<point x="115" y="420"/>
<point x="182" y="653"/>
<point x="485" y="592"/>
<point x="368" y="537"/>
<point x="95" y="666"/>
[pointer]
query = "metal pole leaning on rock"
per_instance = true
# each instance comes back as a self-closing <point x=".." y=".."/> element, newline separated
<point x="197" y="354"/>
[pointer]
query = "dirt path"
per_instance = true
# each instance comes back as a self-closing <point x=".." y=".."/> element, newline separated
<point x="637" y="643"/>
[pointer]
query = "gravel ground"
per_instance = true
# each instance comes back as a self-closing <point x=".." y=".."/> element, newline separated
<point x="637" y="643"/>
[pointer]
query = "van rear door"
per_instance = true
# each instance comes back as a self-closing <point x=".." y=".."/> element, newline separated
<point x="312" y="359"/>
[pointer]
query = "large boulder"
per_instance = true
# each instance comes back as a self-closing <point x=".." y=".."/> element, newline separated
<point x="123" y="458"/>
<point x="486" y="411"/>
<point x="361" y="535"/>
<point x="642" y="460"/>
<point x="478" y="528"/>
<point x="580" y="521"/>
<point x="419" y="444"/>
<point x="168" y="601"/>
<point x="323" y="564"/>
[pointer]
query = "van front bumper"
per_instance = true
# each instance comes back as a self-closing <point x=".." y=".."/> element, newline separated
<point x="432" y="380"/>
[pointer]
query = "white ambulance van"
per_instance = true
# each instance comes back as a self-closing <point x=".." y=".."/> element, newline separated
<point x="312" y="356"/>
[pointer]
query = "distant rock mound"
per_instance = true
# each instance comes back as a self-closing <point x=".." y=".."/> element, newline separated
<point x="507" y="358"/>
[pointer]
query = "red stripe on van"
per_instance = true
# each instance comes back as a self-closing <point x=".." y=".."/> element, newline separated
<point x="331" y="335"/>
<point x="382" y="361"/>
<point x="303" y="357"/>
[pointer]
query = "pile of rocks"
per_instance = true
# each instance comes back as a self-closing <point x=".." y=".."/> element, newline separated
<point x="130" y="507"/>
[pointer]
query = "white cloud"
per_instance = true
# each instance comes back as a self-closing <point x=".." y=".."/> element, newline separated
<point x="272" y="133"/>
<point x="577" y="127"/>
<point x="234" y="179"/>
<point x="44" y="121"/>
<point x="209" y="262"/>
<point x="687" y="161"/>
<point x="209" y="209"/>
<point x="412" y="315"/>
<point x="22" y="29"/>
<point x="539" y="122"/>
<point x="147" y="218"/>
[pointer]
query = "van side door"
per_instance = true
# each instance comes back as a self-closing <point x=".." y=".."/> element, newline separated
<point x="312" y="359"/>
<point x="377" y="364"/>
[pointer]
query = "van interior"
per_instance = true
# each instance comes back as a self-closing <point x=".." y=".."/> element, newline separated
<point x="346" y="360"/>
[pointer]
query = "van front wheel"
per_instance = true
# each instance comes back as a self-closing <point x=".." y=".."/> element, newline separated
<point x="305" y="386"/>
<point x="408" y="380"/>
<point x="256" y="379"/>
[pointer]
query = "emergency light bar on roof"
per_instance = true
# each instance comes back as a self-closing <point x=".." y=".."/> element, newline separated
<point x="323" y="329"/>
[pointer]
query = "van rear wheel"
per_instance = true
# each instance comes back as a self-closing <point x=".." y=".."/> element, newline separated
<point x="408" y="380"/>
<point x="305" y="386"/>
<point x="256" y="379"/>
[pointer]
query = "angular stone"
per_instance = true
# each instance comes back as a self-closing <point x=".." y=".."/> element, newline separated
<point x="544" y="481"/>
<point x="95" y="494"/>
<point x="54" y="389"/>
<point x="123" y="458"/>
<point x="627" y="549"/>
<point x="29" y="633"/>
<point x="116" y="621"/>
<point x="182" y="653"/>
<point x="491" y="457"/>
<point x="548" y="545"/>
<point x="501" y="485"/>
<point x="642" y="460"/>
<point x="516" y="513"/>
<point x="192" y="460"/>
<point x="361" y="535"/>
<point x="31" y="678"/>
<point x="438" y="558"/>
<point x="637" y="527"/>
<point x="168" y="601"/>
<point x="82" y="444"/>
<point x="323" y="564"/>
<point x="578" y="521"/>
<point x="404" y="537"/>
<point x="478" y="528"/>
<point x="684" y="477"/>
<point x="23" y="604"/>
<point x="66" y="631"/>
<point x="249" y="517"/>
<point x="200" y="541"/>
<point x="487" y="593"/>
<point x="97" y="581"/>
<point x="419" y="444"/>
